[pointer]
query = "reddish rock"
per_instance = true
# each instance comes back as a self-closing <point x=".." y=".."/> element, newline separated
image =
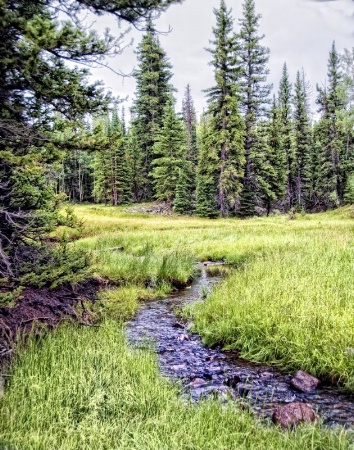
<point x="304" y="382"/>
<point x="293" y="414"/>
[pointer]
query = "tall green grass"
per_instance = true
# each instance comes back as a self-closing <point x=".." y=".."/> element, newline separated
<point x="83" y="389"/>
<point x="293" y="308"/>
<point x="141" y="264"/>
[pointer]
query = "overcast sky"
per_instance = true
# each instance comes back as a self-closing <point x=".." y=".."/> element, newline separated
<point x="299" y="32"/>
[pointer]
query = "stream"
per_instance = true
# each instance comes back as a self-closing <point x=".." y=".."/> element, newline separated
<point x="207" y="372"/>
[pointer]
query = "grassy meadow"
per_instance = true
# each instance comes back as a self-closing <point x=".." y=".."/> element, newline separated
<point x="288" y="301"/>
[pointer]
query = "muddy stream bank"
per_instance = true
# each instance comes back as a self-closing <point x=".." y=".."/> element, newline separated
<point x="208" y="372"/>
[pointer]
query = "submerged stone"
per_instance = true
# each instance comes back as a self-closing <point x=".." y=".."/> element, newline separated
<point x="179" y="367"/>
<point x="184" y="337"/>
<point x="304" y="382"/>
<point x="197" y="382"/>
<point x="293" y="414"/>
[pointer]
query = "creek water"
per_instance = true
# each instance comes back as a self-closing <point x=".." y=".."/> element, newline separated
<point x="207" y="372"/>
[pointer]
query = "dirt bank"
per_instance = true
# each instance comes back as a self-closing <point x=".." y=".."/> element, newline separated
<point x="42" y="307"/>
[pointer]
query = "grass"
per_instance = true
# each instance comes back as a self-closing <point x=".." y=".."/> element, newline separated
<point x="139" y="264"/>
<point x="292" y="308"/>
<point x="83" y="389"/>
<point x="121" y="303"/>
<point x="288" y="300"/>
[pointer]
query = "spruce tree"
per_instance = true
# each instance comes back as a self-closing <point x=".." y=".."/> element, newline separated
<point x="101" y="165"/>
<point x="110" y="168"/>
<point x="225" y="120"/>
<point x="72" y="174"/>
<point x="253" y="59"/>
<point x="349" y="190"/>
<point x="272" y="175"/>
<point x="302" y="143"/>
<point x="330" y="101"/>
<point x="135" y="164"/>
<point x="262" y="169"/>
<point x="285" y="109"/>
<point x="120" y="188"/>
<point x="207" y="172"/>
<point x="153" y="89"/>
<point x="346" y="122"/>
<point x="169" y="154"/>
<point x="123" y="122"/>
<point x="183" y="203"/>
<point x="321" y="183"/>
<point x="190" y="123"/>
<point x="75" y="176"/>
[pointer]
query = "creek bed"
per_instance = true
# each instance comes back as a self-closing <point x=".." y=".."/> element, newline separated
<point x="211" y="372"/>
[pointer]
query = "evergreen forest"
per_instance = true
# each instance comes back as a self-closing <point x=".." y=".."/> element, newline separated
<point x="256" y="148"/>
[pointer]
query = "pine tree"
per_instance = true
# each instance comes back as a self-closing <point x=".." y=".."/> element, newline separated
<point x="135" y="164"/>
<point x="182" y="203"/>
<point x="271" y="176"/>
<point x="255" y="92"/>
<point x="110" y="168"/>
<point x="169" y="154"/>
<point x="190" y="123"/>
<point x="330" y="101"/>
<point x="39" y="77"/>
<point x="207" y="173"/>
<point x="302" y="143"/>
<point x="225" y="120"/>
<point x="285" y="107"/>
<point x="152" y="93"/>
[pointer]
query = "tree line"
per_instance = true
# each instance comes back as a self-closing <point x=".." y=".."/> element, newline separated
<point x="249" y="154"/>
